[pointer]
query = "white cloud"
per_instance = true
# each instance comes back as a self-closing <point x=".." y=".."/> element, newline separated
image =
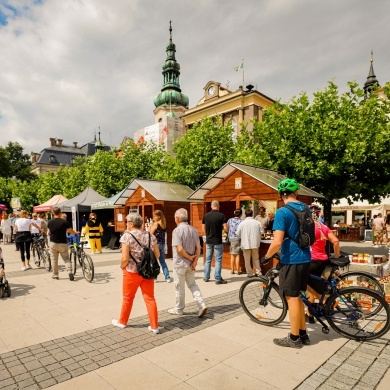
<point x="71" y="66"/>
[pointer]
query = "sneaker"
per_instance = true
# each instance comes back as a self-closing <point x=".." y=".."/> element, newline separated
<point x="305" y="339"/>
<point x="117" y="324"/>
<point x="55" y="277"/>
<point x="221" y="281"/>
<point x="206" y="280"/>
<point x="71" y="276"/>
<point x="28" y="266"/>
<point x="250" y="276"/>
<point x="175" y="311"/>
<point x="168" y="280"/>
<point x="155" y="331"/>
<point x="287" y="342"/>
<point x="376" y="246"/>
<point x="23" y="268"/>
<point x="202" y="311"/>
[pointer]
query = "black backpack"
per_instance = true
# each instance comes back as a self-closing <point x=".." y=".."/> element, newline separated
<point x="148" y="267"/>
<point x="307" y="236"/>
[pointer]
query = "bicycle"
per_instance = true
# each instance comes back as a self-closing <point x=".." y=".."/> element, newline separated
<point x="353" y="279"/>
<point x="40" y="252"/>
<point x="355" y="312"/>
<point x="77" y="254"/>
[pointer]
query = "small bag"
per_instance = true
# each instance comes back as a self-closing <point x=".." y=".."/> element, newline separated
<point x="148" y="267"/>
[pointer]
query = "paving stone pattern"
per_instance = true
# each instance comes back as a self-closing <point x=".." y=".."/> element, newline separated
<point x="43" y="365"/>
<point x="356" y="365"/>
<point x="42" y="270"/>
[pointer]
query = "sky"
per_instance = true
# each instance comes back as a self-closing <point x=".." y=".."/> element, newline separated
<point x="69" y="68"/>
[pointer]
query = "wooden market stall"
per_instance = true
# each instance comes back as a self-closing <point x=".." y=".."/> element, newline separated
<point x="146" y="196"/>
<point x="236" y="186"/>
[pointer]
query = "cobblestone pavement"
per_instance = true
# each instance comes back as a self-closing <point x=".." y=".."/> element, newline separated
<point x="42" y="365"/>
<point x="358" y="366"/>
<point x="354" y="366"/>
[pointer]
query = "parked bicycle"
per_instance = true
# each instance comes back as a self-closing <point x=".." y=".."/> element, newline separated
<point x="77" y="255"/>
<point x="40" y="252"/>
<point x="357" y="313"/>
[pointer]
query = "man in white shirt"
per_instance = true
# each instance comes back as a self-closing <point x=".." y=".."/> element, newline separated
<point x="262" y="217"/>
<point x="250" y="232"/>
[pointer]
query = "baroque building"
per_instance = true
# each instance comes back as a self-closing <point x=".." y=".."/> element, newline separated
<point x="58" y="154"/>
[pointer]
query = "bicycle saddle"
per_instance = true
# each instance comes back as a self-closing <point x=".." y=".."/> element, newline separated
<point x="340" y="262"/>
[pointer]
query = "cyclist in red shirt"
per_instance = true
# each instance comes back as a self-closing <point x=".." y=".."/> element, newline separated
<point x="319" y="255"/>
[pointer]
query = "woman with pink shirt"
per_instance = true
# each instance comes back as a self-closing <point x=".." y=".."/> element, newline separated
<point x="319" y="256"/>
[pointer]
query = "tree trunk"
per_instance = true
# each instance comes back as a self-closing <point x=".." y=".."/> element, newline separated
<point x="328" y="212"/>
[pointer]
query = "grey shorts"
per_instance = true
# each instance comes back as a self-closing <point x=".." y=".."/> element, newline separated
<point x="235" y="244"/>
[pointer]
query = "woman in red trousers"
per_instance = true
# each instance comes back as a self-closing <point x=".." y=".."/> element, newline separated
<point x="131" y="279"/>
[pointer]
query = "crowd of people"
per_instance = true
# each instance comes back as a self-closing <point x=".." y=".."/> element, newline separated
<point x="244" y="236"/>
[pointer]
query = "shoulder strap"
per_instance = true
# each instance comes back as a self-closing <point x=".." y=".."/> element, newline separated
<point x="135" y="261"/>
<point x="296" y="216"/>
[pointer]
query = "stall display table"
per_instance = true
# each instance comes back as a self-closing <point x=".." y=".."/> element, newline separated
<point x="348" y="234"/>
<point x="376" y="269"/>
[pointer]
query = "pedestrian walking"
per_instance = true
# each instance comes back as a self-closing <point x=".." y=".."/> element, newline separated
<point x="186" y="252"/>
<point x="131" y="279"/>
<point x="58" y="245"/>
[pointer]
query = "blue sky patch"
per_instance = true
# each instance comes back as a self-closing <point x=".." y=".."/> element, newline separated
<point x="8" y="11"/>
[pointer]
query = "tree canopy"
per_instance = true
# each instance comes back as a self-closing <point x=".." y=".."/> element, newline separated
<point x="336" y="144"/>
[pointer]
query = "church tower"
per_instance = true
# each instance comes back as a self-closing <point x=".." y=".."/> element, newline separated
<point x="170" y="102"/>
<point x="371" y="82"/>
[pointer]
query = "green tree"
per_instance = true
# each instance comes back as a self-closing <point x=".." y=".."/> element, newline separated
<point x="201" y="152"/>
<point x="338" y="145"/>
<point x="15" y="163"/>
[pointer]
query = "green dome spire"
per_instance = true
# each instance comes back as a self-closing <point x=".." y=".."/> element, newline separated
<point x="171" y="93"/>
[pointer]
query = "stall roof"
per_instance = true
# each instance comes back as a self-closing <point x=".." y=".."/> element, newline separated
<point x="82" y="201"/>
<point x="47" y="206"/>
<point x="108" y="203"/>
<point x="266" y="176"/>
<point x="161" y="190"/>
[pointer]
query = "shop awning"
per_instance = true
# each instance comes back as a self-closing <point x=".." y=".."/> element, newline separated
<point x="266" y="176"/>
<point x="48" y="205"/>
<point x="362" y="205"/>
<point x="108" y="203"/>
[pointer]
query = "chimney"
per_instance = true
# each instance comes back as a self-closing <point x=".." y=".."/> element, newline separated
<point x="75" y="144"/>
<point x="52" y="141"/>
<point x="59" y="142"/>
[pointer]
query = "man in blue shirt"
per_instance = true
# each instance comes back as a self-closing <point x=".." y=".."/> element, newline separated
<point x="294" y="263"/>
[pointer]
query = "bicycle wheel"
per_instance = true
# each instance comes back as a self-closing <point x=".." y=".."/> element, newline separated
<point x="36" y="254"/>
<point x="73" y="260"/>
<point x="88" y="268"/>
<point x="46" y="260"/>
<point x="360" y="279"/>
<point x="270" y="311"/>
<point x="349" y="312"/>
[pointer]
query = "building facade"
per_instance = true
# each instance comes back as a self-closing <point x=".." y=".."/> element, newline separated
<point x="59" y="154"/>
